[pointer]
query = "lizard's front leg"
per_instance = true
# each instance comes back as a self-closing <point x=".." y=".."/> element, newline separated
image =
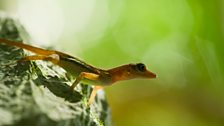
<point x="82" y="75"/>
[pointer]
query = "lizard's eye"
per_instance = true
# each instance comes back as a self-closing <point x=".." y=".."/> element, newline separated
<point x="140" y="67"/>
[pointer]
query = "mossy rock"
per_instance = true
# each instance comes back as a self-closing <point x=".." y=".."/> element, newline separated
<point x="37" y="93"/>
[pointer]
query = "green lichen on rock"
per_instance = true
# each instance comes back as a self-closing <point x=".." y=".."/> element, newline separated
<point x="37" y="93"/>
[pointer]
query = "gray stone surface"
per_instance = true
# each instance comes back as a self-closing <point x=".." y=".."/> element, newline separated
<point x="37" y="93"/>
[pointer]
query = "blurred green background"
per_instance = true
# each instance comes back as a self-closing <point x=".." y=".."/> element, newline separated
<point x="180" y="40"/>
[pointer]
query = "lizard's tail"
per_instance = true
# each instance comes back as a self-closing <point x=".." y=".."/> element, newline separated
<point x="27" y="47"/>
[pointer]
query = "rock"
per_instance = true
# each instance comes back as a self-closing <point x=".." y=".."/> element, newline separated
<point x="37" y="93"/>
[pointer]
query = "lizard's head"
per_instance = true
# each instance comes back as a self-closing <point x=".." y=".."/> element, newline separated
<point x="139" y="70"/>
<point x="131" y="71"/>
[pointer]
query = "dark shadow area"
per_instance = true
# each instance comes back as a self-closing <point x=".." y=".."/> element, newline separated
<point x="58" y="88"/>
